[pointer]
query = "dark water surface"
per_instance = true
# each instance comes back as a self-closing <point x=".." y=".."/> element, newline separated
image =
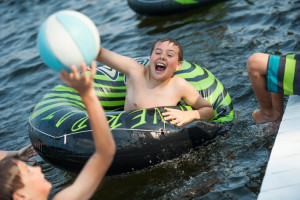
<point x="219" y="37"/>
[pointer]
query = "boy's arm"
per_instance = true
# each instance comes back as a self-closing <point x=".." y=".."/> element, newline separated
<point x="3" y="154"/>
<point x="23" y="154"/>
<point x="123" y="64"/>
<point x="96" y="167"/>
<point x="202" y="108"/>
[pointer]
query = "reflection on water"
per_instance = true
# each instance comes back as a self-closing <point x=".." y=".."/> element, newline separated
<point x="219" y="37"/>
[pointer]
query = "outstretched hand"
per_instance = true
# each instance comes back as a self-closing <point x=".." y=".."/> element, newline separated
<point x="81" y="82"/>
<point x="26" y="153"/>
<point x="178" y="117"/>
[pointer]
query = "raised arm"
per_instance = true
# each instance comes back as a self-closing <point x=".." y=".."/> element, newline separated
<point x="123" y="64"/>
<point x="96" y="167"/>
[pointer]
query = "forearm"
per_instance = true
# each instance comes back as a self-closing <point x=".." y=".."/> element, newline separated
<point x="110" y="59"/>
<point x="4" y="154"/>
<point x="83" y="83"/>
<point x="104" y="56"/>
<point x="205" y="113"/>
<point x="97" y="165"/>
<point x="104" y="142"/>
<point x="116" y="61"/>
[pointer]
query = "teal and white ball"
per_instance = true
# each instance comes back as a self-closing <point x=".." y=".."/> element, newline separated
<point x="68" y="37"/>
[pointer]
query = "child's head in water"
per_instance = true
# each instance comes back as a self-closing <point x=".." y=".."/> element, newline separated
<point x="166" y="58"/>
<point x="17" y="180"/>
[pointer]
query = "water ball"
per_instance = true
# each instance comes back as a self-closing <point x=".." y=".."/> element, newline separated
<point x="68" y="37"/>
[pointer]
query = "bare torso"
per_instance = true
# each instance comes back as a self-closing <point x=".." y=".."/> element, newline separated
<point x="142" y="93"/>
<point x="160" y="87"/>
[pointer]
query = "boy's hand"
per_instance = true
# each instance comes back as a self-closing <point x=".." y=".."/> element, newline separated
<point x="26" y="153"/>
<point x="178" y="117"/>
<point x="83" y="82"/>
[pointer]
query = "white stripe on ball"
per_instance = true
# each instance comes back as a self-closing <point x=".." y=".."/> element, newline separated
<point x="62" y="44"/>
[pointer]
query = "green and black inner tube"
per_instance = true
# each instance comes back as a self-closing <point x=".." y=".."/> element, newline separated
<point x="60" y="132"/>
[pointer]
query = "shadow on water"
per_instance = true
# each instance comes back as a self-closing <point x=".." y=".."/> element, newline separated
<point x="219" y="37"/>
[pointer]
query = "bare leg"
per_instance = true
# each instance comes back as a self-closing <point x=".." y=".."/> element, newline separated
<point x="257" y="71"/>
<point x="277" y="102"/>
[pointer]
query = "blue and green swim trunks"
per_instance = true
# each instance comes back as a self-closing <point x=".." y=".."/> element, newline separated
<point x="284" y="74"/>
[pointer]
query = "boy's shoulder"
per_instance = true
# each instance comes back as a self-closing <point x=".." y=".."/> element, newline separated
<point x="182" y="84"/>
<point x="178" y="82"/>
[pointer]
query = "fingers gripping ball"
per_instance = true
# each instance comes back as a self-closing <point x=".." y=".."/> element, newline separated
<point x="68" y="37"/>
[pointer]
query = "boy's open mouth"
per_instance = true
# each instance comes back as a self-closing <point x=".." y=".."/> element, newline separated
<point x="160" y="67"/>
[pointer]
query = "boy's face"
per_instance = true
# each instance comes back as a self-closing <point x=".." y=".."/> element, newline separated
<point x="164" y="60"/>
<point x="35" y="184"/>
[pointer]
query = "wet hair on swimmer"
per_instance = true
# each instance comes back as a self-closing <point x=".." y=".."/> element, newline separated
<point x="171" y="40"/>
<point x="10" y="180"/>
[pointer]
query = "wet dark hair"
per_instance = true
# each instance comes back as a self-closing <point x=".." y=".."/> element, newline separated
<point x="170" y="40"/>
<point x="10" y="180"/>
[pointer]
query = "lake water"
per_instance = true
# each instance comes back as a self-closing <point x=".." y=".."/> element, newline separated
<point x="219" y="37"/>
